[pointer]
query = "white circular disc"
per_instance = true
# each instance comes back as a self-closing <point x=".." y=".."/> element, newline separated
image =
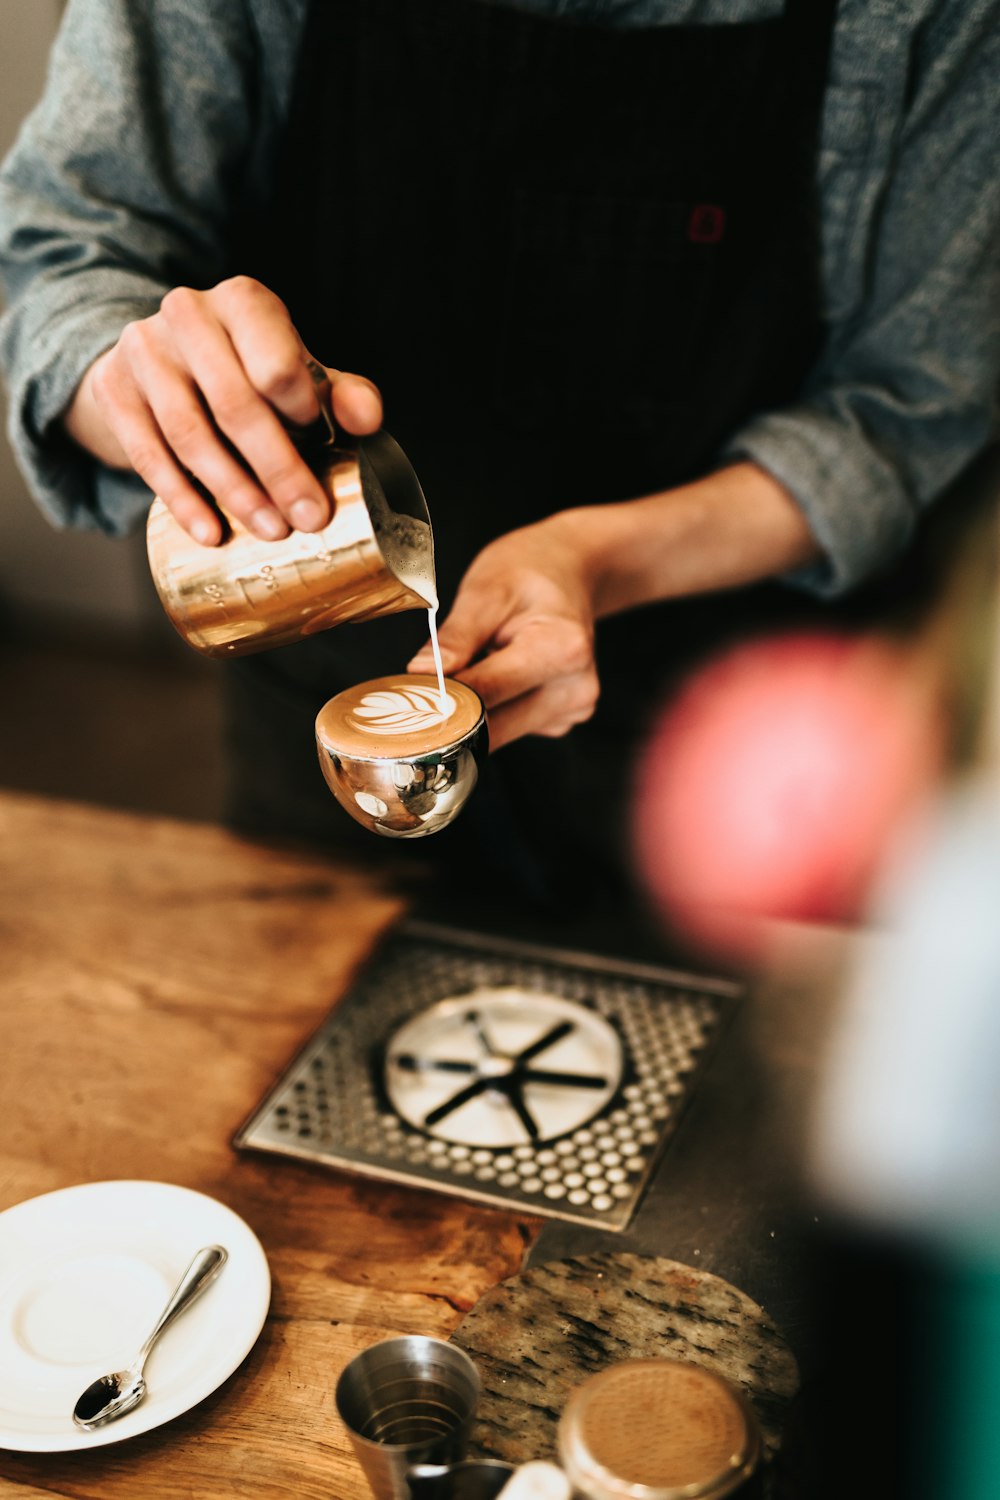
<point x="509" y="1020"/>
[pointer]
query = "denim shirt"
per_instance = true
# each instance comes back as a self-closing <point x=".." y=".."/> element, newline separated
<point x="160" y="115"/>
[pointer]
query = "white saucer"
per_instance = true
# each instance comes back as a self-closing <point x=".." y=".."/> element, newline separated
<point x="85" y="1273"/>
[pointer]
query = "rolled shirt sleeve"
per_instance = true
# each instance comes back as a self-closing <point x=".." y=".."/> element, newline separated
<point x="906" y="391"/>
<point x="122" y="183"/>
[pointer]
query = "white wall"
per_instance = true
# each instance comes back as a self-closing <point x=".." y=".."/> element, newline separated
<point x="71" y="576"/>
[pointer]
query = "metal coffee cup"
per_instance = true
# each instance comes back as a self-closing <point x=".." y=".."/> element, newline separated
<point x="375" y="557"/>
<point x="405" y="1402"/>
<point x="404" y="791"/>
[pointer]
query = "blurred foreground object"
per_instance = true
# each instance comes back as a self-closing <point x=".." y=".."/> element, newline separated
<point x="906" y="1143"/>
<point x="910" y="1125"/>
<point x="772" y="785"/>
<point x="537" y="1480"/>
<point x="908" y="1133"/>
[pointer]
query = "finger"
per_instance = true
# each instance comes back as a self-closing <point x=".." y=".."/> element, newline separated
<point x="551" y="711"/>
<point x="539" y="652"/>
<point x="354" y="402"/>
<point x="288" y="487"/>
<point x="266" y="343"/>
<point x="190" y="434"/>
<point x="135" y="427"/>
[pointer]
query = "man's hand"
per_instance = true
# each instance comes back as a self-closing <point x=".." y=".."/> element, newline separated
<point x="200" y="389"/>
<point x="521" y="633"/>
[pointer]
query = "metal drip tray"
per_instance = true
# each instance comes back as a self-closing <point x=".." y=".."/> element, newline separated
<point x="520" y="1076"/>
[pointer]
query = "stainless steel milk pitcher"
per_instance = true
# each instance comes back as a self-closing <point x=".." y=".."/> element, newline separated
<point x="375" y="557"/>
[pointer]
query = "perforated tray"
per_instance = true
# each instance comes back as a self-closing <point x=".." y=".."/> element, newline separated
<point x="331" y="1106"/>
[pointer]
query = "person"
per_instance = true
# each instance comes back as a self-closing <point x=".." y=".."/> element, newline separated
<point x="671" y="303"/>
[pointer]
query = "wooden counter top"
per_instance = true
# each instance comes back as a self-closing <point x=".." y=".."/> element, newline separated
<point x="155" y="977"/>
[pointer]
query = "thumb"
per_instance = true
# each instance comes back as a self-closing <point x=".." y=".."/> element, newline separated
<point x="355" y="402"/>
<point x="461" y="636"/>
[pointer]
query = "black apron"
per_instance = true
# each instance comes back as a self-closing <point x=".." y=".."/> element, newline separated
<point x="574" y="258"/>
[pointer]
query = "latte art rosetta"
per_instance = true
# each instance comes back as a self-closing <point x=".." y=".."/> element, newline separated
<point x="392" y="718"/>
<point x="402" y="710"/>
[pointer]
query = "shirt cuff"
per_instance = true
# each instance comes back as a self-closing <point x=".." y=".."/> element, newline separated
<point x="72" y="488"/>
<point x="852" y="498"/>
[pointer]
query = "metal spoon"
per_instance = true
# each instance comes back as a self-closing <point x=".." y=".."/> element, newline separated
<point x="113" y="1395"/>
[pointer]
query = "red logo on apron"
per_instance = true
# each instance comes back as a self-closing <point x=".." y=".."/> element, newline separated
<point x="706" y="224"/>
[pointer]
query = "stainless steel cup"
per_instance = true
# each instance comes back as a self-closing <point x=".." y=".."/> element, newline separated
<point x="404" y="794"/>
<point x="406" y="1401"/>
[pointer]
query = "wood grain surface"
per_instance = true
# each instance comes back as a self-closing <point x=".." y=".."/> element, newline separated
<point x="155" y="978"/>
<point x="541" y="1333"/>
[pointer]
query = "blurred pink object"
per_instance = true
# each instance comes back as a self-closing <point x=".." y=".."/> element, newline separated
<point x="774" y="784"/>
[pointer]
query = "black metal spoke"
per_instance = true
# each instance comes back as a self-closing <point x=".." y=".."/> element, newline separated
<point x="411" y="1064"/>
<point x="478" y="1086"/>
<point x="553" y="1035"/>
<point x="519" y="1107"/>
<point x="500" y="1074"/>
<point x="473" y="1019"/>
<point x="562" y="1080"/>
